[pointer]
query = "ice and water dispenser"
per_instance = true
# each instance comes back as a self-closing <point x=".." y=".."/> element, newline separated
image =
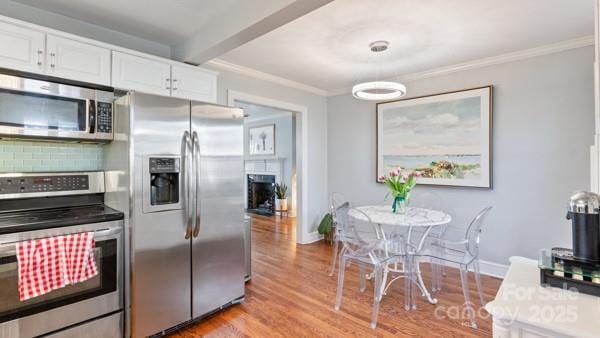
<point x="162" y="181"/>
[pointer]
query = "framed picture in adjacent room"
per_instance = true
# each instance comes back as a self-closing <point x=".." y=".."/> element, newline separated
<point x="261" y="140"/>
<point x="446" y="137"/>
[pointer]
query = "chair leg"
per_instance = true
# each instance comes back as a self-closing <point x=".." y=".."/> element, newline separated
<point x="362" y="277"/>
<point x="465" y="287"/>
<point x="384" y="279"/>
<point x="336" y="244"/>
<point x="340" y="286"/>
<point x="434" y="271"/>
<point x="408" y="283"/>
<point x="376" y="295"/>
<point x="478" y="281"/>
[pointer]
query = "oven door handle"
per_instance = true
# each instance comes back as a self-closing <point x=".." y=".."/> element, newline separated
<point x="9" y="247"/>
<point x="107" y="232"/>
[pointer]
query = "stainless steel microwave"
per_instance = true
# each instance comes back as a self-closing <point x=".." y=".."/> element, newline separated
<point x="37" y="109"/>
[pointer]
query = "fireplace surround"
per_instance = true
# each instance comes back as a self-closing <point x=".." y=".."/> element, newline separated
<point x="261" y="194"/>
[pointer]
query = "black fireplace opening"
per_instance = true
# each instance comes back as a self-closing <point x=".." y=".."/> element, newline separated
<point x="261" y="194"/>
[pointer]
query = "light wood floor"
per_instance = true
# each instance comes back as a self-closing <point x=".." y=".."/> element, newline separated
<point x="291" y="295"/>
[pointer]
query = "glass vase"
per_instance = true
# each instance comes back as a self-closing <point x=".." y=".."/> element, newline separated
<point x="400" y="204"/>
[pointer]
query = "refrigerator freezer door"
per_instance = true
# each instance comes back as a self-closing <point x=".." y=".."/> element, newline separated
<point x="218" y="240"/>
<point x="160" y="261"/>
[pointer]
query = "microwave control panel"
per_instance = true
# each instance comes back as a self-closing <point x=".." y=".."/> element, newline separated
<point x="104" y="117"/>
<point x="29" y="184"/>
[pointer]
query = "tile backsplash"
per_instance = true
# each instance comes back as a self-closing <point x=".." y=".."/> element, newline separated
<point x="25" y="156"/>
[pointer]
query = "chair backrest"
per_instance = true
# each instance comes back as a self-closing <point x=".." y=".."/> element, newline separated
<point x="474" y="230"/>
<point x="356" y="230"/>
<point x="336" y="200"/>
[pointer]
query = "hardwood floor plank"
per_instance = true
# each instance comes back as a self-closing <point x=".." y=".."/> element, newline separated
<point x="291" y="295"/>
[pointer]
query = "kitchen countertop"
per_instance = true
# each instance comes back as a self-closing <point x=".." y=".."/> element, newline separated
<point x="522" y="306"/>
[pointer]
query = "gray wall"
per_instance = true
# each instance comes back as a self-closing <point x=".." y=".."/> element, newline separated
<point x="317" y="133"/>
<point x="66" y="24"/>
<point x="543" y="120"/>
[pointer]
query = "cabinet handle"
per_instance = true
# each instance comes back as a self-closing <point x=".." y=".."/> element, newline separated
<point x="52" y="55"/>
<point x="168" y="80"/>
<point x="39" y="53"/>
<point x="174" y="84"/>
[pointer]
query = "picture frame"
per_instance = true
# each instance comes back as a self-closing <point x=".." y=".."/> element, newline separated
<point x="446" y="137"/>
<point x="261" y="140"/>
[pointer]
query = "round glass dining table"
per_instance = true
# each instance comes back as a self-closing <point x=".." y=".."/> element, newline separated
<point x="415" y="225"/>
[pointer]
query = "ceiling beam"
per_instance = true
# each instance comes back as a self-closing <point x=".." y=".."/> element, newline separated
<point x="250" y="20"/>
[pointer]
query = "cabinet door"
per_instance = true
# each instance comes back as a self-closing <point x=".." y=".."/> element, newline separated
<point x="22" y="49"/>
<point x="194" y="84"/>
<point x="77" y="61"/>
<point x="132" y="72"/>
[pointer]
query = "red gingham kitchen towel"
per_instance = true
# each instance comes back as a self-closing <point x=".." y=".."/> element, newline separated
<point x="50" y="263"/>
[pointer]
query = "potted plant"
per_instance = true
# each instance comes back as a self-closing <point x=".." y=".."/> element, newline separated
<point x="326" y="227"/>
<point x="281" y="191"/>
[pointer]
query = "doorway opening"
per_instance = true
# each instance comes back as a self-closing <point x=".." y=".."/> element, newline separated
<point x="274" y="165"/>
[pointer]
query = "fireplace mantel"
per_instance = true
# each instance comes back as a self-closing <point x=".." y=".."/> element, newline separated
<point x="264" y="165"/>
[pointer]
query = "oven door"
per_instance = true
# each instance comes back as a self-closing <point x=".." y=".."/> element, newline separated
<point x="39" y="109"/>
<point x="67" y="306"/>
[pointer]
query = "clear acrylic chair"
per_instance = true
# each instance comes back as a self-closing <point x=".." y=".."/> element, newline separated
<point x="362" y="244"/>
<point x="463" y="252"/>
<point x="336" y="200"/>
<point x="430" y="200"/>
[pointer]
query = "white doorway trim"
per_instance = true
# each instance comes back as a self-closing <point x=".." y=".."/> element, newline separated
<point x="302" y="234"/>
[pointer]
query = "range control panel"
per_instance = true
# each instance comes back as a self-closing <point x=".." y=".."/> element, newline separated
<point x="104" y="117"/>
<point x="35" y="184"/>
<point x="164" y="165"/>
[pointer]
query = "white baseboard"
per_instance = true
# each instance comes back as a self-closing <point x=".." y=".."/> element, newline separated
<point x="487" y="268"/>
<point x="312" y="237"/>
<point x="493" y="269"/>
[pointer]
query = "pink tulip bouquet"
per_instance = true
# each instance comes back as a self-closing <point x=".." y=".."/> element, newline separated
<point x="400" y="186"/>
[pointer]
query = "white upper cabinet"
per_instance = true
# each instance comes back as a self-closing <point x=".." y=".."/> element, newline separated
<point x="132" y="72"/>
<point x="34" y="49"/>
<point x="76" y="60"/>
<point x="21" y="48"/>
<point x="193" y="83"/>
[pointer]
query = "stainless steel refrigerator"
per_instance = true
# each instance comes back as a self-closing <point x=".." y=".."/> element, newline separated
<point x="177" y="167"/>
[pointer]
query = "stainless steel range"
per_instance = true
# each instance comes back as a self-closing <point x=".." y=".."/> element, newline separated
<point x="40" y="205"/>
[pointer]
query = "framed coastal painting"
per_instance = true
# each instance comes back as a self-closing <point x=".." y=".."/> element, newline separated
<point x="261" y="140"/>
<point x="446" y="137"/>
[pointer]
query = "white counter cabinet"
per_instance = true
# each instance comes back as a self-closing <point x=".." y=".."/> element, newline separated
<point x="524" y="309"/>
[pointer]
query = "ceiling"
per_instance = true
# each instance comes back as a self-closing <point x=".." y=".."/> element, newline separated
<point x="166" y="22"/>
<point x="328" y="48"/>
<point x="324" y="44"/>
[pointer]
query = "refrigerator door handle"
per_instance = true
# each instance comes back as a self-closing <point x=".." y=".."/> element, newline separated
<point x="187" y="183"/>
<point x="196" y="151"/>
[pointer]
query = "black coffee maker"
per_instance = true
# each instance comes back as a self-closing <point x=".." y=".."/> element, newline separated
<point x="577" y="268"/>
<point x="584" y="213"/>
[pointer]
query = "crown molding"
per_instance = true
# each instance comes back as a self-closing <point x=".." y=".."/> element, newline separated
<point x="473" y="64"/>
<point x="489" y="61"/>
<point x="228" y="66"/>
